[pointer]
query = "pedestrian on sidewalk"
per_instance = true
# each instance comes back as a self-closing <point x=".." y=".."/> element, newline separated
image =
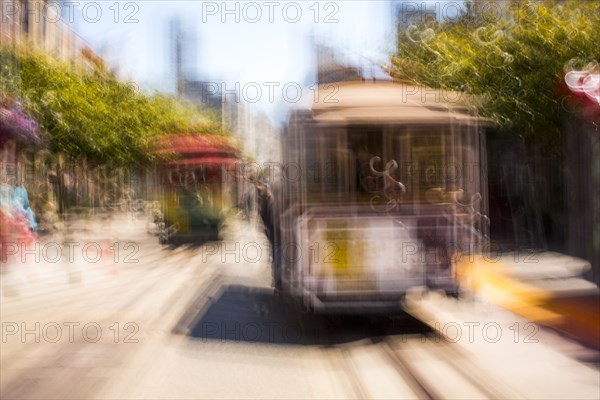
<point x="265" y="209"/>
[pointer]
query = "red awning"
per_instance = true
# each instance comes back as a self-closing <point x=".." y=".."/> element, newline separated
<point x="207" y="161"/>
<point x="184" y="144"/>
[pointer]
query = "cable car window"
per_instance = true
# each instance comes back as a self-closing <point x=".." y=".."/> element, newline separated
<point x="326" y="163"/>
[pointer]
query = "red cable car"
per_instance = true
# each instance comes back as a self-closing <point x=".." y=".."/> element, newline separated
<point x="197" y="185"/>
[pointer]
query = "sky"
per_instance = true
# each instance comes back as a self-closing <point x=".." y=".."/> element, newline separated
<point x="239" y="42"/>
<point x="229" y="43"/>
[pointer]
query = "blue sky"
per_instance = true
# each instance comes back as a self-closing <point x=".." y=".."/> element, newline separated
<point x="275" y="47"/>
<point x="235" y="41"/>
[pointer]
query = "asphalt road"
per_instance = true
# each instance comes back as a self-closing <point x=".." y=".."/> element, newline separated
<point x="106" y="312"/>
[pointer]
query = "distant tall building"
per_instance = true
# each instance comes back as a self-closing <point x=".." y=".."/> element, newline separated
<point x="331" y="69"/>
<point x="176" y="40"/>
<point x="254" y="132"/>
<point x="332" y="65"/>
<point x="184" y="67"/>
<point x="183" y="54"/>
<point x="203" y="92"/>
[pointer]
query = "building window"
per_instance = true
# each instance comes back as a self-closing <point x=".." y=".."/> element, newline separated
<point x="26" y="16"/>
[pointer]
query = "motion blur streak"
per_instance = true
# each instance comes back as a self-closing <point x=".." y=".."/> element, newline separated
<point x="333" y="199"/>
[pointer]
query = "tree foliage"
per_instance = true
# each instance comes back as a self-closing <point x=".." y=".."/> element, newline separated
<point x="513" y="59"/>
<point x="93" y="113"/>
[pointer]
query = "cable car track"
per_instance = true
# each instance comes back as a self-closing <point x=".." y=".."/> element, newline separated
<point x="458" y="370"/>
<point x="421" y="370"/>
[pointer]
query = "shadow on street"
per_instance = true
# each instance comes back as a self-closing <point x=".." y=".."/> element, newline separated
<point x="256" y="315"/>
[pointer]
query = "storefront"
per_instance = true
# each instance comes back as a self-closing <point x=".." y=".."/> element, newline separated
<point x="19" y="133"/>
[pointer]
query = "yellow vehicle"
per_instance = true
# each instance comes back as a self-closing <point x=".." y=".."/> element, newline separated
<point x="382" y="188"/>
<point x="196" y="186"/>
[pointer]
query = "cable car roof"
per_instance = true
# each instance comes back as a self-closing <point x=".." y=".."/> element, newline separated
<point x="205" y="161"/>
<point x="366" y="102"/>
<point x="191" y="143"/>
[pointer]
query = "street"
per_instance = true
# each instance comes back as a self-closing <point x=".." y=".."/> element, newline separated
<point x="116" y="315"/>
<point x="300" y="200"/>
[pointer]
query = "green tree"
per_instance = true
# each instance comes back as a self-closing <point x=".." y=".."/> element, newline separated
<point x="513" y="61"/>
<point x="94" y="114"/>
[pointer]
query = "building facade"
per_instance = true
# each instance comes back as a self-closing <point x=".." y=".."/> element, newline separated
<point x="38" y="25"/>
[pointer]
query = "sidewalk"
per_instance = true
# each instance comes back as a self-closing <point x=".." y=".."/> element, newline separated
<point x="546" y="288"/>
<point x="506" y="346"/>
<point x="85" y="248"/>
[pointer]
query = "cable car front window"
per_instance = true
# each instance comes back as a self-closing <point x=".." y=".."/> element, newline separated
<point x="325" y="170"/>
<point x="350" y="164"/>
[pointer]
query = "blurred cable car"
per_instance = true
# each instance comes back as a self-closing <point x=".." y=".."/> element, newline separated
<point x="383" y="187"/>
<point x="196" y="186"/>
